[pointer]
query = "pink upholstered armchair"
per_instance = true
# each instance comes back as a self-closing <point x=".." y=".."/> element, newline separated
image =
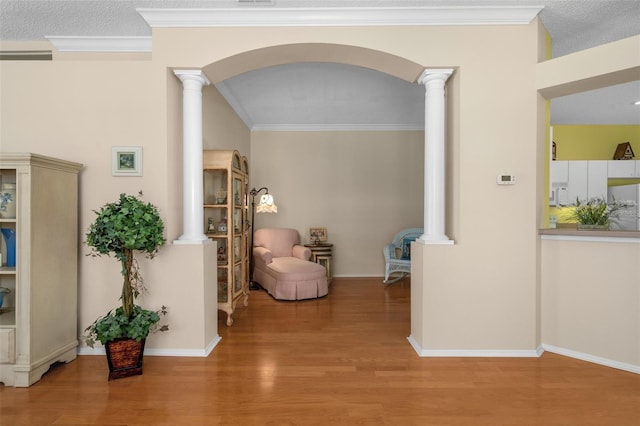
<point x="282" y="266"/>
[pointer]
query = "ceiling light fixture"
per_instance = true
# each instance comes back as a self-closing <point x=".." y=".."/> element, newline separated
<point x="636" y="103"/>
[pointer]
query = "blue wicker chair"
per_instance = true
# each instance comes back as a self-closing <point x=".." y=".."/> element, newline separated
<point x="397" y="255"/>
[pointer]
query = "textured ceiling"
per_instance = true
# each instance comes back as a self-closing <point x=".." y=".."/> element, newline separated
<point x="340" y="95"/>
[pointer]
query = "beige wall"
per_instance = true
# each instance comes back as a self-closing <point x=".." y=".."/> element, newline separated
<point x="590" y="306"/>
<point x="591" y="299"/>
<point x="221" y="126"/>
<point x="487" y="284"/>
<point x="607" y="65"/>
<point x="78" y="111"/>
<point x="362" y="186"/>
<point x="484" y="286"/>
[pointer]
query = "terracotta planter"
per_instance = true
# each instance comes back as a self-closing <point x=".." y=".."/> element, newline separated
<point x="124" y="357"/>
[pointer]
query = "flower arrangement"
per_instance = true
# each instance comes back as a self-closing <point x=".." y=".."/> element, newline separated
<point x="597" y="212"/>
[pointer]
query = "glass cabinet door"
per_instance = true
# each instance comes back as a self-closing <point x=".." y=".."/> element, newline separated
<point x="215" y="202"/>
<point x="237" y="279"/>
<point x="237" y="192"/>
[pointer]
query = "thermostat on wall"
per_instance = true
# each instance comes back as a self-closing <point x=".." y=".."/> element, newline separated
<point x="506" y="180"/>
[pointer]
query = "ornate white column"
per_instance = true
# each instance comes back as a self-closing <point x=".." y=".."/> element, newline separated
<point x="434" y="156"/>
<point x="192" y="202"/>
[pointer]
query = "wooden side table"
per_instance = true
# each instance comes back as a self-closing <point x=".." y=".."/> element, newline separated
<point x="321" y="254"/>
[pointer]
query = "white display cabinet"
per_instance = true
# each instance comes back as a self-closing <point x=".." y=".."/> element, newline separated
<point x="38" y="319"/>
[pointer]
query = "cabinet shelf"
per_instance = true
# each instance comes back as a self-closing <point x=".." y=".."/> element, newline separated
<point x="8" y="270"/>
<point x="217" y="235"/>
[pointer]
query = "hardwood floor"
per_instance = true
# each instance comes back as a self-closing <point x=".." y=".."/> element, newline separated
<point x="340" y="360"/>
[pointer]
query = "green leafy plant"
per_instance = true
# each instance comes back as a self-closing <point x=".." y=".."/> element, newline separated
<point x="597" y="211"/>
<point x="120" y="229"/>
<point x="116" y="325"/>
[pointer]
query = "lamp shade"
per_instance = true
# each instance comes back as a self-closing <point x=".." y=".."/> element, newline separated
<point x="266" y="205"/>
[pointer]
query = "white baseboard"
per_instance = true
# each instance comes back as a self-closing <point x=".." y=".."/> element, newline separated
<point x="514" y="353"/>
<point x="161" y="352"/>
<point x="469" y="353"/>
<point x="363" y="276"/>
<point x="591" y="358"/>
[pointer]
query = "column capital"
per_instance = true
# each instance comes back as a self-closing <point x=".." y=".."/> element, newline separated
<point x="196" y="75"/>
<point x="434" y="74"/>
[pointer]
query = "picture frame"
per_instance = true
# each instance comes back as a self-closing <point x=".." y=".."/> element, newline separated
<point x="318" y="235"/>
<point x="126" y="161"/>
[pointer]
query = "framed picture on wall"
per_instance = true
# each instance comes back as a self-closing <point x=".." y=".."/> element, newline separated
<point x="126" y="161"/>
<point x="317" y="235"/>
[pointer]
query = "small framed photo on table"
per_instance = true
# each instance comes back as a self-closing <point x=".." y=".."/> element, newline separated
<point x="317" y="235"/>
<point x="126" y="161"/>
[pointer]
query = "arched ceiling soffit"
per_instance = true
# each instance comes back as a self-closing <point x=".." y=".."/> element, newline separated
<point x="313" y="52"/>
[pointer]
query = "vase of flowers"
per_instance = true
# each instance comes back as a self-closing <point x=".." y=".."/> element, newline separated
<point x="596" y="213"/>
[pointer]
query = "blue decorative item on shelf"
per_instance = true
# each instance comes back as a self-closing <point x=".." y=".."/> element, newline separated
<point x="3" y="292"/>
<point x="10" y="240"/>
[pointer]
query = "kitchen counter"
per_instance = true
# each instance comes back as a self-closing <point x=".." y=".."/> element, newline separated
<point x="572" y="233"/>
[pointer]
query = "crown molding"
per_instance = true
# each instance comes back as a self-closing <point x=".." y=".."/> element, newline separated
<point x="100" y="44"/>
<point x="292" y="17"/>
<point x="338" y="16"/>
<point x="236" y="105"/>
<point x="356" y="127"/>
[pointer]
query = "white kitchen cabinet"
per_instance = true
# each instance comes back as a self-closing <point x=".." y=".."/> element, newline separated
<point x="38" y="320"/>
<point x="558" y="181"/>
<point x="559" y="172"/>
<point x="578" y="181"/>
<point x="621" y="169"/>
<point x="597" y="179"/>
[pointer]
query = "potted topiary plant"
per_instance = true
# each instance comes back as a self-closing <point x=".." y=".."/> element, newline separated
<point x="120" y="229"/>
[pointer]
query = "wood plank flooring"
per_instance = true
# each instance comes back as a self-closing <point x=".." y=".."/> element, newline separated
<point x="340" y="360"/>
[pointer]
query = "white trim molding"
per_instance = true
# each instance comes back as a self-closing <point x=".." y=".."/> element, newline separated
<point x="339" y="16"/>
<point x="480" y="353"/>
<point x="296" y="17"/>
<point x="591" y="238"/>
<point x="101" y="44"/>
<point x="84" y="350"/>
<point x="227" y="93"/>
<point x="592" y="358"/>
<point x="356" y="127"/>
